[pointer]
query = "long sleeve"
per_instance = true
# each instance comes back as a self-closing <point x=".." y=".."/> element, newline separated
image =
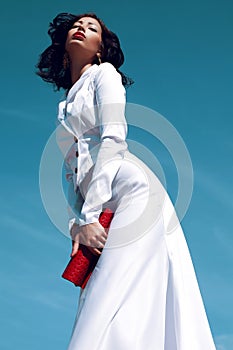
<point x="74" y="197"/>
<point x="110" y="101"/>
<point x="68" y="147"/>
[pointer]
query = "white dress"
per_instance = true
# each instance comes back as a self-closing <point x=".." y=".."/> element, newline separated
<point x="143" y="293"/>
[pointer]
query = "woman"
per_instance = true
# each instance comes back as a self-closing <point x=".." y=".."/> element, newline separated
<point x="143" y="293"/>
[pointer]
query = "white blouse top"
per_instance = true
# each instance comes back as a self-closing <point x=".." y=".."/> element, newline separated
<point x="94" y="113"/>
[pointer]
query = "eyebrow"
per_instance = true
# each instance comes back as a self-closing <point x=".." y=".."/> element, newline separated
<point x="80" y="21"/>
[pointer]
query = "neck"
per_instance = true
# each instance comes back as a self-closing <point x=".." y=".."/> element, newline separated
<point x="77" y="68"/>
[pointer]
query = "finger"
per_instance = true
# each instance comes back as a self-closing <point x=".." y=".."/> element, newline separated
<point x="105" y="235"/>
<point x="102" y="241"/>
<point x="100" y="244"/>
<point x="103" y="238"/>
<point x="95" y="251"/>
<point x="75" y="246"/>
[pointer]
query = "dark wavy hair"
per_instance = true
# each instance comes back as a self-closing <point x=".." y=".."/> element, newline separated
<point x="50" y="66"/>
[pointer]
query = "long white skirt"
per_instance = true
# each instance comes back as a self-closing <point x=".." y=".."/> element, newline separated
<point x="143" y="293"/>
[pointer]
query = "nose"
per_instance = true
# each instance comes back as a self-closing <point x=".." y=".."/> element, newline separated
<point x="80" y="28"/>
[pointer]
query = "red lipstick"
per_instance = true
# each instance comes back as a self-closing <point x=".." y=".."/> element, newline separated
<point x="79" y="35"/>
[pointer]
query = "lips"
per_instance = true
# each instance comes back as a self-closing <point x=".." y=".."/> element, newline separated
<point x="79" y="35"/>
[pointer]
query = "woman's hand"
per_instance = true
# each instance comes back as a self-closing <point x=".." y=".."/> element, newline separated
<point x="93" y="235"/>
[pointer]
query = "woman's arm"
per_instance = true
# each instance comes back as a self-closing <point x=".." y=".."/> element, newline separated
<point x="74" y="198"/>
<point x="95" y="235"/>
<point x="110" y="99"/>
<point x="92" y="235"/>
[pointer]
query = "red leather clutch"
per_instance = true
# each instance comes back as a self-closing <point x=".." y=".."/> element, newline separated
<point x="82" y="264"/>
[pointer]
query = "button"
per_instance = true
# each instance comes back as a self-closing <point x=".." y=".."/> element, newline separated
<point x="76" y="170"/>
<point x="75" y="139"/>
<point x="76" y="153"/>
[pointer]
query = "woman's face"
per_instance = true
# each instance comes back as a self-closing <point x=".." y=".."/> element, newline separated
<point x="85" y="36"/>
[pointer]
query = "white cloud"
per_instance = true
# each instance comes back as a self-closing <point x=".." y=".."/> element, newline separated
<point x="51" y="299"/>
<point x="224" y="342"/>
<point x="224" y="239"/>
<point x="31" y="116"/>
<point x="216" y="189"/>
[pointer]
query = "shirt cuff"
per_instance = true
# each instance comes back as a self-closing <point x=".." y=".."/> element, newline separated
<point x="71" y="223"/>
<point x="89" y="218"/>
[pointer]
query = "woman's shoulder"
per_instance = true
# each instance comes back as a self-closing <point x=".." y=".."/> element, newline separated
<point x="106" y="70"/>
<point x="106" y="66"/>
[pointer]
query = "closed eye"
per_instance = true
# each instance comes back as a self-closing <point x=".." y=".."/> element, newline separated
<point x="93" y="29"/>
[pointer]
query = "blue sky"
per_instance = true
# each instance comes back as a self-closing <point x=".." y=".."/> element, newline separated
<point x="180" y="55"/>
